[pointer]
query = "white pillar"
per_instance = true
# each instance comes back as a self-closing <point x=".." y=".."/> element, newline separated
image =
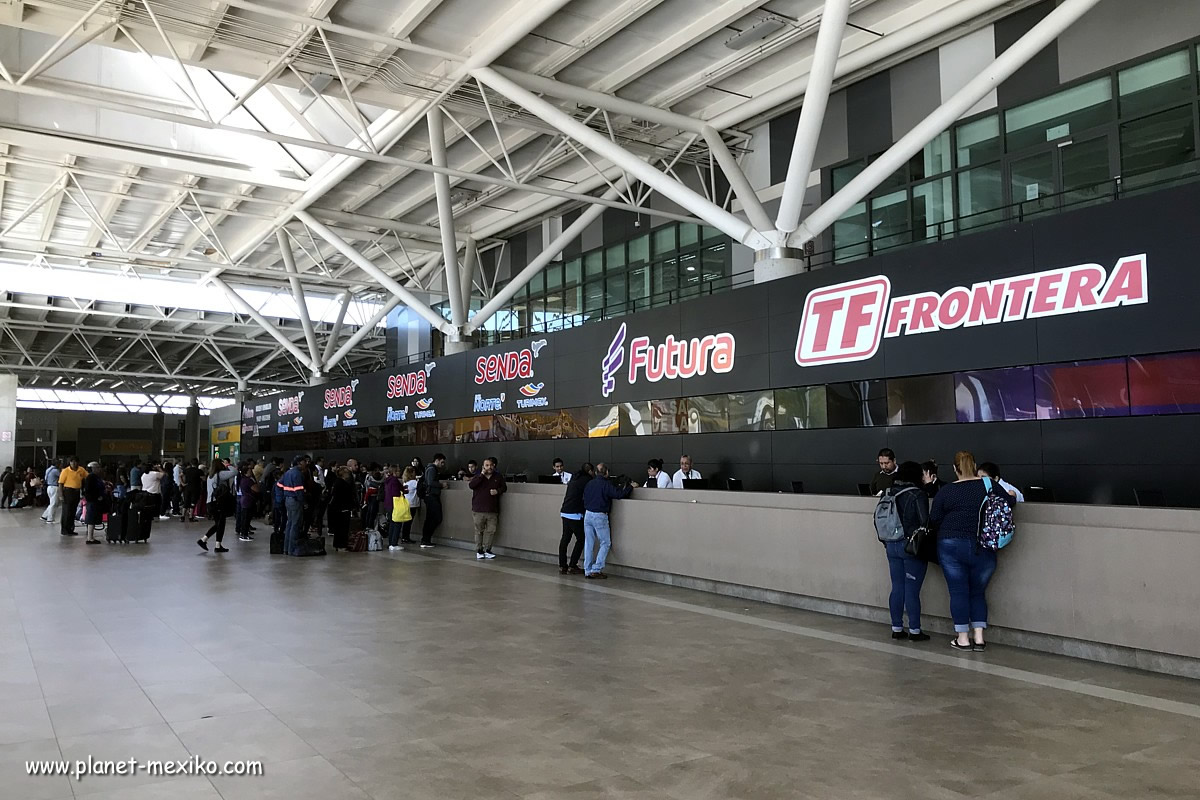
<point x="777" y="262"/>
<point x="8" y="420"/>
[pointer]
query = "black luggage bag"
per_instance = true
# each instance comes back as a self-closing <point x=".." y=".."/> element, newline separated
<point x="143" y="508"/>
<point x="118" y="521"/>
<point x="277" y="543"/>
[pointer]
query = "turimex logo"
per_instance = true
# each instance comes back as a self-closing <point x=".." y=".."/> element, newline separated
<point x="424" y="403"/>
<point x="349" y="413"/>
<point x="532" y="389"/>
<point x="846" y="322"/>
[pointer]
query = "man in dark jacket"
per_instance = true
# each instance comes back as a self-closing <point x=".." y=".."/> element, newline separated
<point x="486" y="488"/>
<point x="572" y="520"/>
<point x="597" y="503"/>
<point x="291" y="485"/>
<point x="432" y="499"/>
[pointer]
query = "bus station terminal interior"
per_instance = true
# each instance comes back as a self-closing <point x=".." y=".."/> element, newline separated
<point x="681" y="399"/>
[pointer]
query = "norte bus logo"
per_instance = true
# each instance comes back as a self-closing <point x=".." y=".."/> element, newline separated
<point x="847" y="321"/>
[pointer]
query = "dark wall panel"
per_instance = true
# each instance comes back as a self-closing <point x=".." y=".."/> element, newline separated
<point x="869" y="115"/>
<point x="1040" y="75"/>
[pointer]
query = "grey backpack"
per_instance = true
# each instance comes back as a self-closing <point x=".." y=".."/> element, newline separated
<point x="888" y="526"/>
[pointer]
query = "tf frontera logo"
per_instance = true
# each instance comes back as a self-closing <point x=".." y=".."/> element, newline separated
<point x="847" y="321"/>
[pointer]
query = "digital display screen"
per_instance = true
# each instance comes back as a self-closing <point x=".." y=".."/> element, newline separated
<point x="752" y="411"/>
<point x="802" y="408"/>
<point x="856" y="404"/>
<point x="603" y="421"/>
<point x="1166" y="384"/>
<point x="1082" y="389"/>
<point x="923" y="400"/>
<point x="636" y="418"/>
<point x="668" y="416"/>
<point x="994" y="395"/>
<point x="708" y="414"/>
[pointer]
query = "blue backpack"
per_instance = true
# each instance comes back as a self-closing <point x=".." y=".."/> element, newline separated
<point x="996" y="526"/>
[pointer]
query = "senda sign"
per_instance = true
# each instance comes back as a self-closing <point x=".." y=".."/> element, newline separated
<point x="508" y="366"/>
<point x="847" y="321"/>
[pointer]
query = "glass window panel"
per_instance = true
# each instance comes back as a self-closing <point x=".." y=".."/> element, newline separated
<point x="978" y="141"/>
<point x="934" y="158"/>
<point x="511" y="428"/>
<point x="689" y="275"/>
<point x="689" y="234"/>
<point x="708" y="414"/>
<point x="1156" y="83"/>
<point x="614" y="294"/>
<point x="603" y="421"/>
<point x="639" y="288"/>
<point x="921" y="400"/>
<point x="850" y="234"/>
<point x="1032" y="183"/>
<point x="554" y="275"/>
<point x="665" y="280"/>
<point x="711" y="233"/>
<point x="593" y="264"/>
<point x="804" y="408"/>
<point x="593" y="298"/>
<point x="573" y="273"/>
<point x="753" y="411"/>
<point x="427" y="433"/>
<point x="856" y="404"/>
<point x="1062" y="114"/>
<point x="1086" y="175"/>
<point x="473" y="429"/>
<point x="572" y="424"/>
<point x="572" y="303"/>
<point x="1166" y="384"/>
<point x="1082" y="389"/>
<point x="668" y="416"/>
<point x="664" y="240"/>
<point x="933" y="209"/>
<point x="405" y="435"/>
<point x="554" y="311"/>
<point x="994" y="395"/>
<point x="845" y="173"/>
<point x="639" y="249"/>
<point x="980" y="196"/>
<point x="715" y="268"/>
<point x="537" y="284"/>
<point x="1158" y="148"/>
<point x="896" y="179"/>
<point x="636" y="418"/>
<point x="889" y="220"/>
<point x="614" y="257"/>
<point x="445" y="431"/>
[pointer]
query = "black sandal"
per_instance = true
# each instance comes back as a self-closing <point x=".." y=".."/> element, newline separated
<point x="966" y="648"/>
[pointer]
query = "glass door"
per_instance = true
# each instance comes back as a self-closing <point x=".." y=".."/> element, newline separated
<point x="1065" y="175"/>
<point x="1086" y="172"/>
<point x="1033" y="182"/>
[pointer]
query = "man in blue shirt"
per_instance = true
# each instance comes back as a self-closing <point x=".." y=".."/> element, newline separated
<point x="291" y="486"/>
<point x="51" y="478"/>
<point x="598" y="495"/>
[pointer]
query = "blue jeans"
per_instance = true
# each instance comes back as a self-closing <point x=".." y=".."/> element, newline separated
<point x="294" y="533"/>
<point x="908" y="573"/>
<point x="967" y="568"/>
<point x="597" y="537"/>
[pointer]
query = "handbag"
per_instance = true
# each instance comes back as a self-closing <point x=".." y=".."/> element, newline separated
<point x="922" y="542"/>
<point x="401" y="511"/>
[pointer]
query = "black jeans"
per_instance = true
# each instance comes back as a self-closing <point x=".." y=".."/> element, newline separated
<point x="218" y="526"/>
<point x="433" y="518"/>
<point x="6" y="501"/>
<point x="70" y="503"/>
<point x="242" y="521"/>
<point x="571" y="527"/>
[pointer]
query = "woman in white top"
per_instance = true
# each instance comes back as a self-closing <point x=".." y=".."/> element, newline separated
<point x="152" y="484"/>
<point x="410" y="494"/>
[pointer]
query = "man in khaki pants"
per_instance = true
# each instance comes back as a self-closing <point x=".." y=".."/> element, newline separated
<point x="486" y="488"/>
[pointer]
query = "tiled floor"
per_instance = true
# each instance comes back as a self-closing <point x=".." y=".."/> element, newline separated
<point x="404" y="676"/>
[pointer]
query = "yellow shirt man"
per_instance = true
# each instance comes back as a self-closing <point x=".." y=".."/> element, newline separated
<point x="72" y="477"/>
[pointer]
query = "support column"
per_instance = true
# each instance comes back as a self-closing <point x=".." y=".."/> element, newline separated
<point x="8" y="420"/>
<point x="777" y="262"/>
<point x="191" y="432"/>
<point x="460" y="346"/>
<point x="441" y="184"/>
<point x="158" y="427"/>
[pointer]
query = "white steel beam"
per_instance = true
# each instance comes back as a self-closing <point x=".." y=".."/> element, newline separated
<point x="812" y="113"/>
<point x="1008" y="62"/>
<point x="518" y="281"/>
<point x="289" y="264"/>
<point x="470" y="264"/>
<point x="441" y="183"/>
<point x="384" y="280"/>
<point x="360" y="334"/>
<point x="336" y="333"/>
<point x="710" y="212"/>
<point x="266" y="324"/>
<point x="141" y="377"/>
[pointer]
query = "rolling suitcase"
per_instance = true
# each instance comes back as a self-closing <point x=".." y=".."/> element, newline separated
<point x="118" y="521"/>
<point x="277" y="543"/>
<point x="143" y="508"/>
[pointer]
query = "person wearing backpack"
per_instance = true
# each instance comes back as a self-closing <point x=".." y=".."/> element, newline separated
<point x="966" y="513"/>
<point x="903" y="509"/>
<point x="220" y="503"/>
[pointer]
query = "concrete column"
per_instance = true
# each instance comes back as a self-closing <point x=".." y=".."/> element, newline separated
<point x="453" y="347"/>
<point x="8" y="420"/>
<point x="777" y="262"/>
<point x="191" y="436"/>
<point x="157" y="429"/>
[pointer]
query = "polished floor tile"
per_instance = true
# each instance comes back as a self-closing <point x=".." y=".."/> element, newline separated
<point x="424" y="675"/>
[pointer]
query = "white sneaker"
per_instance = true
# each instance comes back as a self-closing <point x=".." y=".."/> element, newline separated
<point x="164" y="518"/>
<point x="489" y="555"/>
<point x="480" y="556"/>
<point x="392" y="547"/>
<point x="426" y="546"/>
<point x="243" y="538"/>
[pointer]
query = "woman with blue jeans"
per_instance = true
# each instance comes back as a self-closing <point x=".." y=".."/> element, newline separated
<point x="907" y="571"/>
<point x="966" y="565"/>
